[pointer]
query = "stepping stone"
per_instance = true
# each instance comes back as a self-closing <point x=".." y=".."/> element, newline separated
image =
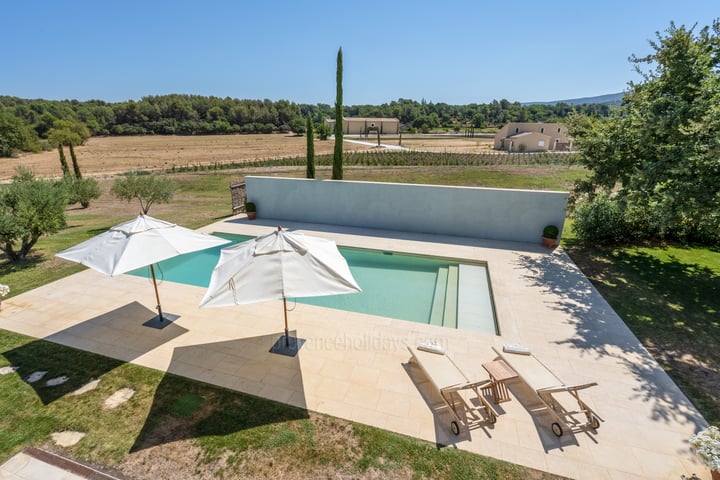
<point x="91" y="385"/>
<point x="119" y="397"/>
<point x="35" y="376"/>
<point x="53" y="382"/>
<point x="6" y="370"/>
<point x="66" y="439"/>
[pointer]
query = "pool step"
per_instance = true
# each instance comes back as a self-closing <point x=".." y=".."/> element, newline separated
<point x="451" y="298"/>
<point x="462" y="299"/>
<point x="438" y="305"/>
<point x="445" y="300"/>
<point x="475" y="308"/>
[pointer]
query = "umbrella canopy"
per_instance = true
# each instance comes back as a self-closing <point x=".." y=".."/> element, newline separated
<point x="138" y="243"/>
<point x="278" y="265"/>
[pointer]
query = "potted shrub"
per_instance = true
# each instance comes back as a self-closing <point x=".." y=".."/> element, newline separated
<point x="707" y="446"/>
<point x="549" y="235"/>
<point x="250" y="210"/>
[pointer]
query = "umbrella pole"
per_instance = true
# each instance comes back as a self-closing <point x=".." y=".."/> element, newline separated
<point x="157" y="295"/>
<point x="287" y="338"/>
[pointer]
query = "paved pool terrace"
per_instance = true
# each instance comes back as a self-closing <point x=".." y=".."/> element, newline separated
<point x="355" y="366"/>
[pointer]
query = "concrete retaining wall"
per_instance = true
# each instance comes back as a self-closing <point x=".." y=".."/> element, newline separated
<point x="490" y="213"/>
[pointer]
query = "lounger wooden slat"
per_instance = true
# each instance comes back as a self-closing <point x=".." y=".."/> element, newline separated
<point x="545" y="383"/>
<point x="448" y="380"/>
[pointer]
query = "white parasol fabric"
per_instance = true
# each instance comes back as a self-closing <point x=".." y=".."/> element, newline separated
<point x="278" y="265"/>
<point x="138" y="243"/>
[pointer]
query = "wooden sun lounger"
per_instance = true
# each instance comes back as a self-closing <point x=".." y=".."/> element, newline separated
<point x="545" y="383"/>
<point x="449" y="381"/>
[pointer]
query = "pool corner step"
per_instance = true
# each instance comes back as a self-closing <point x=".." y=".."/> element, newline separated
<point x="475" y="306"/>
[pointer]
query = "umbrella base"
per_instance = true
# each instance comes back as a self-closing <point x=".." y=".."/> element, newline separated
<point x="155" y="322"/>
<point x="290" y="349"/>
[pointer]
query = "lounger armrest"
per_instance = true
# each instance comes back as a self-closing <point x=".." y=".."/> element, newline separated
<point x="567" y="388"/>
<point x="479" y="384"/>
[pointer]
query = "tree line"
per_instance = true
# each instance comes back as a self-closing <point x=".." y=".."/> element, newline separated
<point x="27" y="125"/>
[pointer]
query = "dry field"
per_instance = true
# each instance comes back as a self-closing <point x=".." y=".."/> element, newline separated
<point x="444" y="143"/>
<point x="112" y="155"/>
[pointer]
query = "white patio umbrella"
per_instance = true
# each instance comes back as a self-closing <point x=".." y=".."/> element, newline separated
<point x="278" y="265"/>
<point x="138" y="243"/>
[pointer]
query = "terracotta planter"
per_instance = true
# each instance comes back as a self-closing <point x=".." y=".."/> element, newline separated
<point x="548" y="242"/>
<point x="251" y="215"/>
<point x="715" y="474"/>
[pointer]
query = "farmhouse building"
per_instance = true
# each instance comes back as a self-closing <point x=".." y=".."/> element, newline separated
<point x="365" y="126"/>
<point x="533" y="137"/>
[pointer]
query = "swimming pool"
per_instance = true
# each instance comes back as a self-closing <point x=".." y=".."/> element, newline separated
<point x="407" y="287"/>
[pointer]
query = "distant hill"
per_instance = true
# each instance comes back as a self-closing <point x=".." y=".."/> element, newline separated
<point x="609" y="99"/>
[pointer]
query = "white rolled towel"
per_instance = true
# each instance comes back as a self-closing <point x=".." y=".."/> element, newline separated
<point x="432" y="348"/>
<point x="519" y="349"/>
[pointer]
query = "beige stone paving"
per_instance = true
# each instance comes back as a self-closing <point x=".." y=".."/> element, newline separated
<point x="356" y="367"/>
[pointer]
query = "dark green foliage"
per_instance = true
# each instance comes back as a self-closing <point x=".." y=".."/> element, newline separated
<point x="297" y="126"/>
<point x="15" y="135"/>
<point x="600" y="221"/>
<point x="337" y="171"/>
<point x="551" y="231"/>
<point x="310" y="171"/>
<point x="197" y="115"/>
<point x="73" y="157"/>
<point x="68" y="132"/>
<point x="323" y="131"/>
<point x="29" y="208"/>
<point x="250" y="207"/>
<point x="660" y="153"/>
<point x="81" y="190"/>
<point x="63" y="160"/>
<point x="148" y="189"/>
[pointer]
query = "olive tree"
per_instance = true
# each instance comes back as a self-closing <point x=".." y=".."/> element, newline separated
<point x="29" y="209"/>
<point x="148" y="189"/>
<point x="81" y="190"/>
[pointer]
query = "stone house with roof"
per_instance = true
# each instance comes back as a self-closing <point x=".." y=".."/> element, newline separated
<point x="365" y="126"/>
<point x="533" y="137"/>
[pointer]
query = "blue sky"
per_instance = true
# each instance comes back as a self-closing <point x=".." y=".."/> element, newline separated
<point x="457" y="52"/>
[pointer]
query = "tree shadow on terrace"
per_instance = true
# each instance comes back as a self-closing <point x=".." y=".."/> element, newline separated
<point x="671" y="304"/>
<point x="601" y="332"/>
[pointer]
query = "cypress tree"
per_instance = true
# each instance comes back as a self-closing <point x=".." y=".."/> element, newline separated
<point x="310" y="173"/>
<point x="76" y="166"/>
<point x="337" y="172"/>
<point x="63" y="160"/>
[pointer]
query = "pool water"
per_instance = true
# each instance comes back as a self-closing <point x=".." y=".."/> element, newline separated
<point x="405" y="287"/>
<point x="394" y="285"/>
